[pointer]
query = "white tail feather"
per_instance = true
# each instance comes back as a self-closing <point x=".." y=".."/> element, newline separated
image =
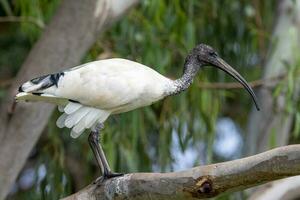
<point x="72" y="107"/>
<point x="103" y="116"/>
<point x="60" y="123"/>
<point x="92" y="118"/>
<point x="76" y="116"/>
<point x="61" y="108"/>
<point x="81" y="119"/>
<point x="78" y="128"/>
<point x="74" y="134"/>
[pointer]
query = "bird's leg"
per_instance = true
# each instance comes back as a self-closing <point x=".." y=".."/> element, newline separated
<point x="93" y="141"/>
<point x="94" y="138"/>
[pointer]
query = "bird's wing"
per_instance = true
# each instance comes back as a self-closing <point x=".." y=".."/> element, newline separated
<point x="109" y="84"/>
<point x="104" y="84"/>
<point x="75" y="115"/>
<point x="95" y="90"/>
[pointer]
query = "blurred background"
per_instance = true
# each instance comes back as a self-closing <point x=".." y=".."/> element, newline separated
<point x="213" y="121"/>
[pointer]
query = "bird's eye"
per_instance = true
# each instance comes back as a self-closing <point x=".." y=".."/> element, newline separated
<point x="213" y="53"/>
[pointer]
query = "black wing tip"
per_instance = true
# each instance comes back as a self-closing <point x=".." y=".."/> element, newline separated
<point x="48" y="80"/>
<point x="20" y="89"/>
<point x="37" y="93"/>
<point x="73" y="101"/>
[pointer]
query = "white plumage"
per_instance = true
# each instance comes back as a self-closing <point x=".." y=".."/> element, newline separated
<point x="89" y="93"/>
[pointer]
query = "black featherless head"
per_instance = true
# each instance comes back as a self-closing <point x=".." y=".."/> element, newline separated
<point x="204" y="55"/>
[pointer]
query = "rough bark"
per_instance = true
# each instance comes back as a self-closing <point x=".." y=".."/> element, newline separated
<point x="73" y="29"/>
<point x="199" y="182"/>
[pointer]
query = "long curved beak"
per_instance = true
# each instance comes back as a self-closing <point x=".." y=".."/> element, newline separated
<point x="221" y="64"/>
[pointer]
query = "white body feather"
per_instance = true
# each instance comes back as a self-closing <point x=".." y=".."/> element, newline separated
<point x="102" y="88"/>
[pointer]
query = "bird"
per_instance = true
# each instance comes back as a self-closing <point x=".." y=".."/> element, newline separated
<point x="88" y="94"/>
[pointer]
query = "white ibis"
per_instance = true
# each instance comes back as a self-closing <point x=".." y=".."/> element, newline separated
<point x="90" y="93"/>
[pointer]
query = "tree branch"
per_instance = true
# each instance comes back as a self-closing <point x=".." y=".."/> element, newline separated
<point x="199" y="182"/>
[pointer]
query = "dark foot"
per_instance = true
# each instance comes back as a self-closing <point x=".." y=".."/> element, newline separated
<point x="112" y="175"/>
<point x="105" y="177"/>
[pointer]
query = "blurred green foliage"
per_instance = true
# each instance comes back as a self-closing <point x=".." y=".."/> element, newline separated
<point x="157" y="33"/>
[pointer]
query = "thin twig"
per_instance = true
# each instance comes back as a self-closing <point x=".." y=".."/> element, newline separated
<point x="32" y="20"/>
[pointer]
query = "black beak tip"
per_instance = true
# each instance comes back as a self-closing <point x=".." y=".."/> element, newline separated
<point x="257" y="108"/>
<point x="256" y="104"/>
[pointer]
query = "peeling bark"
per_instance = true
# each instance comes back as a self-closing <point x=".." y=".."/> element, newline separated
<point x="199" y="182"/>
<point x="72" y="31"/>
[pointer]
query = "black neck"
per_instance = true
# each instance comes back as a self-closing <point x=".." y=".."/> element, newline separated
<point x="191" y="68"/>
